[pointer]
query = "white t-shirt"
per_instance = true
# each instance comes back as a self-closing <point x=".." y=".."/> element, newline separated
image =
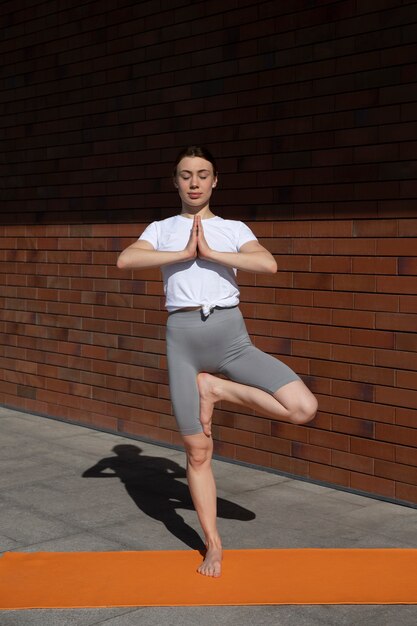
<point x="198" y="282"/>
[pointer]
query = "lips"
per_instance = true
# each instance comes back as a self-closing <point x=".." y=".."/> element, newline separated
<point x="194" y="196"/>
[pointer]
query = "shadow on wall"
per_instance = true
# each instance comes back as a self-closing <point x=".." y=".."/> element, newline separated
<point x="155" y="487"/>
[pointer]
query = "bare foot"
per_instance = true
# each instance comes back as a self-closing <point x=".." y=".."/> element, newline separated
<point x="208" y="396"/>
<point x="212" y="564"/>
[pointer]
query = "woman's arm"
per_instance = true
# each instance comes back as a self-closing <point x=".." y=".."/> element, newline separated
<point x="252" y="257"/>
<point x="142" y="254"/>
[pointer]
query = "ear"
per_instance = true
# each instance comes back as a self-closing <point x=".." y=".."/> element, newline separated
<point x="174" y="182"/>
<point x="214" y="182"/>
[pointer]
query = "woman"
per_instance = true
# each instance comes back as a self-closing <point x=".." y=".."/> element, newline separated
<point x="199" y="253"/>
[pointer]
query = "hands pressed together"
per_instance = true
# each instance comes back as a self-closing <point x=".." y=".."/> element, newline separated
<point x="197" y="245"/>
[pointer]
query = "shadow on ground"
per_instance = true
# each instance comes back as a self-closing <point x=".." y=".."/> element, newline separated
<point x="155" y="486"/>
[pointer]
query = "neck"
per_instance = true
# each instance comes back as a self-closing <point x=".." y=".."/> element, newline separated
<point x="203" y="212"/>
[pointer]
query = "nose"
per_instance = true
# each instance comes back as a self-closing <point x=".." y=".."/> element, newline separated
<point x="194" y="182"/>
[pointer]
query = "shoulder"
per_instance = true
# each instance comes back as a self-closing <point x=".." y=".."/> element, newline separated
<point x="169" y="223"/>
<point x="233" y="225"/>
<point x="237" y="227"/>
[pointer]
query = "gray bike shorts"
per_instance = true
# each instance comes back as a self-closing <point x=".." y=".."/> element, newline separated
<point x="217" y="344"/>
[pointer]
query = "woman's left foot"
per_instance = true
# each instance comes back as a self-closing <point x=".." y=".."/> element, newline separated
<point x="207" y="385"/>
<point x="212" y="564"/>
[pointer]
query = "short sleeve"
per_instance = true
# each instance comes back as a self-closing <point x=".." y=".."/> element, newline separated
<point x="150" y="234"/>
<point x="245" y="235"/>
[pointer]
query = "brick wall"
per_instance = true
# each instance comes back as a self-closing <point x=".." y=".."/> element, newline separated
<point x="310" y="107"/>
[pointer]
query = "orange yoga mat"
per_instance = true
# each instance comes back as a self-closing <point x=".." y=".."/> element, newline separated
<point x="169" y="578"/>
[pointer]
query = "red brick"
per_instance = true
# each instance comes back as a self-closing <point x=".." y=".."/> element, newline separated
<point x="408" y="304"/>
<point x="405" y="455"/>
<point x="374" y="265"/>
<point x="373" y="449"/>
<point x="328" y="474"/>
<point x="273" y="444"/>
<point x="407" y="227"/>
<point x="223" y="449"/>
<point x="373" y="375"/>
<point x="289" y="465"/>
<point x="352" y="426"/>
<point x="312" y="315"/>
<point x="406" y="379"/>
<point x="398" y="284"/>
<point x="396" y="358"/>
<point x="395" y="247"/>
<point x="284" y="430"/>
<point x="406" y="341"/>
<point x="352" y="354"/>
<point x="407" y="265"/>
<point x="396" y="434"/>
<point x="361" y="319"/>
<point x="251" y="423"/>
<point x="362" y="247"/>
<point x="372" y="411"/>
<point x="334" y="441"/>
<point x="354" y="390"/>
<point x="313" y="246"/>
<point x="396" y="471"/>
<point x="354" y="282"/>
<point x="375" y="228"/>
<point x="330" y="369"/>
<point x="329" y="334"/>
<point x="250" y="455"/>
<point x="372" y="484"/>
<point x="333" y="405"/>
<point x="311" y="349"/>
<point x="407" y="493"/>
<point x="273" y="312"/>
<point x="372" y="338"/>
<point x="334" y="228"/>
<point x="396" y="321"/>
<point x="333" y="299"/>
<point x="331" y="264"/>
<point x="391" y="395"/>
<point x="353" y="462"/>
<point x="405" y="417"/>
<point x="240" y="437"/>
<point x="311" y="453"/>
<point x="376" y="302"/>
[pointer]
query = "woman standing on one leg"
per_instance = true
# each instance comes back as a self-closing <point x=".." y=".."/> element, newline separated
<point x="199" y="253"/>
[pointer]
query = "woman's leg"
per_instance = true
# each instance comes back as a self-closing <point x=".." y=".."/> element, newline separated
<point x="293" y="402"/>
<point x="187" y="338"/>
<point x="199" y="449"/>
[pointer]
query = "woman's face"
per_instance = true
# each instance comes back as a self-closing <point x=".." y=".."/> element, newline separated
<point x="195" y="181"/>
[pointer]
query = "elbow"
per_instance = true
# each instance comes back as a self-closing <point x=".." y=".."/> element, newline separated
<point x="121" y="263"/>
<point x="272" y="267"/>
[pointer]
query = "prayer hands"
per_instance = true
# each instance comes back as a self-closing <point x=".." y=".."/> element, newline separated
<point x="191" y="247"/>
<point x="203" y="249"/>
<point x="197" y="244"/>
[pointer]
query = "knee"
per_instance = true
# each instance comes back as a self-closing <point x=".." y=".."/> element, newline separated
<point x="199" y="457"/>
<point x="305" y="411"/>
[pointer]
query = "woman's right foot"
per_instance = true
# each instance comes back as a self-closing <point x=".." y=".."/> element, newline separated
<point x="212" y="564"/>
<point x="208" y="387"/>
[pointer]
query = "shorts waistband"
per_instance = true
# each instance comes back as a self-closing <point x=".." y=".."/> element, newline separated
<point x="190" y="319"/>
<point x="200" y="308"/>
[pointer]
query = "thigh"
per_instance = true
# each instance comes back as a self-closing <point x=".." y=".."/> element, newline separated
<point x="182" y="372"/>
<point x="296" y="396"/>
<point x="257" y="369"/>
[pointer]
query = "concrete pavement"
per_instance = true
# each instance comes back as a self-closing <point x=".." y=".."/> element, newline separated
<point x="54" y="498"/>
